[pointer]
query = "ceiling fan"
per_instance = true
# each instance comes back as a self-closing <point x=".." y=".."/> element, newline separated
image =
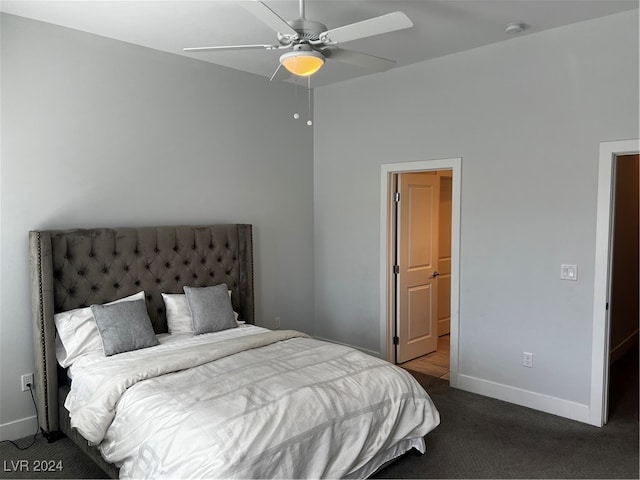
<point x="310" y="43"/>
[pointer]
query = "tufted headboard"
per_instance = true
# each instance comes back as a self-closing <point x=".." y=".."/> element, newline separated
<point x="77" y="268"/>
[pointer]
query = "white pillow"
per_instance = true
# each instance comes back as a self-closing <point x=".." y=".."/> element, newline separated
<point x="179" y="315"/>
<point x="78" y="333"/>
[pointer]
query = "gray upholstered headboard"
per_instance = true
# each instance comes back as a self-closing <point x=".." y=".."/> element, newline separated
<point x="77" y="268"/>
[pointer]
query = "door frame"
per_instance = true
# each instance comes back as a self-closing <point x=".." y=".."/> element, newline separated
<point x="387" y="246"/>
<point x="598" y="408"/>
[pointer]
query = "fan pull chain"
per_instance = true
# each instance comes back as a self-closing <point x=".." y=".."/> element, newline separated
<point x="309" y="112"/>
<point x="309" y="109"/>
<point x="295" y="90"/>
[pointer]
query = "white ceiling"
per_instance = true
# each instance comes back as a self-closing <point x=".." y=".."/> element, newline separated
<point x="441" y="27"/>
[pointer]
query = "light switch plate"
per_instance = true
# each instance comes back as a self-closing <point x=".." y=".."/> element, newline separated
<point x="568" y="272"/>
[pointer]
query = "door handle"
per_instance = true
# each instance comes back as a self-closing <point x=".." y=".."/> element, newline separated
<point x="435" y="274"/>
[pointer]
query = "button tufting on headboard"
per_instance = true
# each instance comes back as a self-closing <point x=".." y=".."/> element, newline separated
<point x="93" y="265"/>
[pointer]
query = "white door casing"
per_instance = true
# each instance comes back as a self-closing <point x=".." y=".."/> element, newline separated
<point x="600" y="338"/>
<point x="387" y="349"/>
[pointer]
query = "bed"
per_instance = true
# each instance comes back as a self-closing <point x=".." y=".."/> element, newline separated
<point x="237" y="402"/>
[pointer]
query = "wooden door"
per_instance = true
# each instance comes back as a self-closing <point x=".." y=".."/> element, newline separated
<point x="418" y="208"/>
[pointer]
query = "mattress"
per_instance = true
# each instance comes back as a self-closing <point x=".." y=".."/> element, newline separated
<point x="248" y="403"/>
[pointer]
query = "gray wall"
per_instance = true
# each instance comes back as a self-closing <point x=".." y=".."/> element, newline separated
<point x="97" y="132"/>
<point x="526" y="116"/>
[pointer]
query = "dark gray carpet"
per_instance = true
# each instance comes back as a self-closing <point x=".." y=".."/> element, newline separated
<point x="478" y="438"/>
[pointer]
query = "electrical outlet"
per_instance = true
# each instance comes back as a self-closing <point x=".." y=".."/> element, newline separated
<point x="276" y="323"/>
<point x="527" y="359"/>
<point x="25" y="381"/>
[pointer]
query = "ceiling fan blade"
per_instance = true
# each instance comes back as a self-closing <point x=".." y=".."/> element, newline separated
<point x="270" y="18"/>
<point x="231" y="47"/>
<point x="370" y="62"/>
<point x="367" y="28"/>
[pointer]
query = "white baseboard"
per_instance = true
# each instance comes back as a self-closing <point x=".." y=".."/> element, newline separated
<point x="525" y="398"/>
<point x="364" y="350"/>
<point x="18" y="429"/>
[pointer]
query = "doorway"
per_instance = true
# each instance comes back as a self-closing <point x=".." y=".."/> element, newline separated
<point x="610" y="152"/>
<point x="624" y="283"/>
<point x="625" y="286"/>
<point x="430" y="264"/>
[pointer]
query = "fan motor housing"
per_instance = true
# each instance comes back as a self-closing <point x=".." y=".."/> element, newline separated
<point x="307" y="28"/>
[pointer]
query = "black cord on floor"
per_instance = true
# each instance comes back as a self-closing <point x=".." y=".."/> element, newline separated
<point x="33" y="440"/>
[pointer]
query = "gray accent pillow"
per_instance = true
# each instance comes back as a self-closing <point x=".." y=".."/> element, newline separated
<point x="124" y="326"/>
<point x="211" y="309"/>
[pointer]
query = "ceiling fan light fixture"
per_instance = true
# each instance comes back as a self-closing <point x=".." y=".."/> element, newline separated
<point x="302" y="62"/>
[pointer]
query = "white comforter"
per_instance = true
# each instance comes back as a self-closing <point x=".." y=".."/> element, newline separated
<point x="272" y="405"/>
